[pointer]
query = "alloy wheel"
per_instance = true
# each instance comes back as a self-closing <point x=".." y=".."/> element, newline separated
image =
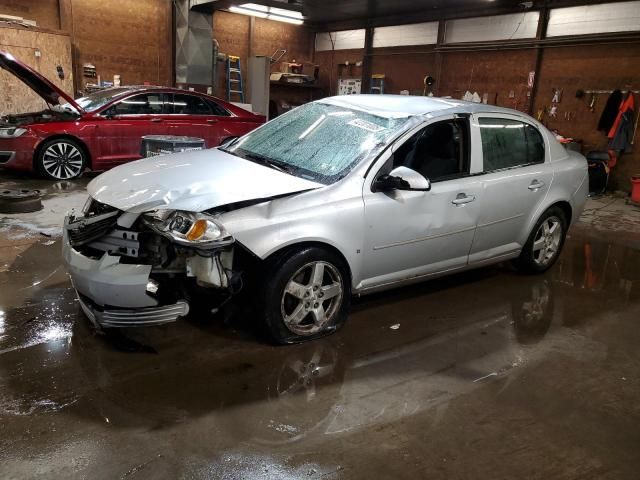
<point x="311" y="298"/>
<point x="546" y="243"/>
<point x="63" y="160"/>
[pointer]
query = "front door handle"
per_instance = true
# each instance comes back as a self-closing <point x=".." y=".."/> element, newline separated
<point x="212" y="120"/>
<point x="463" y="198"/>
<point x="535" y="185"/>
<point x="156" y="120"/>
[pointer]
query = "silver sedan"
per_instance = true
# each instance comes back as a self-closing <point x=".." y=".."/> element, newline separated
<point x="346" y="195"/>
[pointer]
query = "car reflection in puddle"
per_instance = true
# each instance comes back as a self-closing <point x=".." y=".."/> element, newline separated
<point x="454" y="336"/>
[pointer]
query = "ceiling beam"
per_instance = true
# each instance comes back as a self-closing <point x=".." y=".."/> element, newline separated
<point x="211" y="5"/>
<point x="446" y="13"/>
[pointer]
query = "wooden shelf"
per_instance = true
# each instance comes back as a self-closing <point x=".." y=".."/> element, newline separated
<point x="312" y="86"/>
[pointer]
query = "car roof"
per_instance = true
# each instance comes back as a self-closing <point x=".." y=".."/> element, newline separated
<point x="399" y="106"/>
<point x="131" y="89"/>
<point x="136" y="88"/>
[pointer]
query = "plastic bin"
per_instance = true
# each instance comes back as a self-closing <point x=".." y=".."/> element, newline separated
<point x="635" y="188"/>
<point x="154" y="145"/>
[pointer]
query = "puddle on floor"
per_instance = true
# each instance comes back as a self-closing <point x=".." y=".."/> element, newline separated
<point x="490" y="333"/>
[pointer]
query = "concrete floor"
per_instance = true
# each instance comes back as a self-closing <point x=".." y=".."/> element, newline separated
<point x="488" y="374"/>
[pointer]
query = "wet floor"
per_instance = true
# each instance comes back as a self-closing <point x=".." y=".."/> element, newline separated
<point x="488" y="374"/>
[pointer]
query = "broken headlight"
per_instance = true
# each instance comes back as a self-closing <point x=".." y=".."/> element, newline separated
<point x="190" y="229"/>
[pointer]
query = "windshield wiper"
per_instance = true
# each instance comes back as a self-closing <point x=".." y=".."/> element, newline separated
<point x="267" y="162"/>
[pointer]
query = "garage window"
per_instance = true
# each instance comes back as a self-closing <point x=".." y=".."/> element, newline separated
<point x="509" y="143"/>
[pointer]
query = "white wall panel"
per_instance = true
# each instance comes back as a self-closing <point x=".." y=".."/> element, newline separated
<point x="601" y="18"/>
<point x="499" y="27"/>
<point x="415" y="34"/>
<point x="343" y="40"/>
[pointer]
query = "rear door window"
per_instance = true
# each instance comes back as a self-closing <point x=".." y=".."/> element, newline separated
<point x="509" y="143"/>
<point x="184" y="104"/>
<point x="217" y="109"/>
<point x="535" y="144"/>
<point x="143" y="104"/>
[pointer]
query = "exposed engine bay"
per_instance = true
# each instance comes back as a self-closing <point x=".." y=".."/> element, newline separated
<point x="207" y="271"/>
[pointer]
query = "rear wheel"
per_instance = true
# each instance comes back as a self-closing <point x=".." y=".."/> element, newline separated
<point x="545" y="242"/>
<point x="61" y="159"/>
<point x="307" y="295"/>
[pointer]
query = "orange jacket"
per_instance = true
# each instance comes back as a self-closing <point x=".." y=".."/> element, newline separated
<point x="627" y="104"/>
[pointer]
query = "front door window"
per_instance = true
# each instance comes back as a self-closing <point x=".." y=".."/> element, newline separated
<point x="438" y="152"/>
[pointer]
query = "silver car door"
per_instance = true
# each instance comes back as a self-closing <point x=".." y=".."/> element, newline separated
<point x="516" y="177"/>
<point x="410" y="233"/>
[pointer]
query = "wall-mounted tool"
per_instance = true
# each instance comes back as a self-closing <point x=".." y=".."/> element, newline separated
<point x="277" y="55"/>
<point x="592" y="102"/>
<point x="60" y="71"/>
<point x="428" y="85"/>
<point x="89" y="71"/>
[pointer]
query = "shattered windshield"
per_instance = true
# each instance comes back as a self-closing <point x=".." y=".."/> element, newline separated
<point x="100" y="98"/>
<point x="318" y="141"/>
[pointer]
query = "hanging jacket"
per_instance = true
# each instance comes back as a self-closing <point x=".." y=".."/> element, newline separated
<point x="610" y="111"/>
<point x="621" y="132"/>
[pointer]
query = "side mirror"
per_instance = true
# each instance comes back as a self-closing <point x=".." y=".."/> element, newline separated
<point x="402" y="178"/>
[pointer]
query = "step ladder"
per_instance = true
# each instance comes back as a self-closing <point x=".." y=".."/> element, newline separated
<point x="234" y="79"/>
<point x="377" y="83"/>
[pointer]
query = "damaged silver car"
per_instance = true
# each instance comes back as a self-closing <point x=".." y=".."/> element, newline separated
<point x="342" y="196"/>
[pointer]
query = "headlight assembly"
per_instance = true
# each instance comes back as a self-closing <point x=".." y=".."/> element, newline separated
<point x="12" y="132"/>
<point x="190" y="229"/>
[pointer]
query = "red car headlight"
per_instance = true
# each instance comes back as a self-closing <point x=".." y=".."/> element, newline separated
<point x="12" y="132"/>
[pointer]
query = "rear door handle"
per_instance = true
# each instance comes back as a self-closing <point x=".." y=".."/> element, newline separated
<point x="463" y="198"/>
<point x="156" y="120"/>
<point x="535" y="185"/>
<point x="212" y="120"/>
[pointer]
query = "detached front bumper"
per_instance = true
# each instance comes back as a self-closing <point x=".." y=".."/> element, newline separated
<point x="113" y="294"/>
<point x="127" y="317"/>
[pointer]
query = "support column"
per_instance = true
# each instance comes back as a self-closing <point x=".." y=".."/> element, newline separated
<point x="438" y="60"/>
<point x="541" y="32"/>
<point x="367" y="59"/>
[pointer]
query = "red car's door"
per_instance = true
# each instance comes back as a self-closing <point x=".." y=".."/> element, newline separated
<point x="123" y="125"/>
<point x="193" y="116"/>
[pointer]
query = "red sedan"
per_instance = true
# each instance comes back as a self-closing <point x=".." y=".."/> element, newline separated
<point x="104" y="129"/>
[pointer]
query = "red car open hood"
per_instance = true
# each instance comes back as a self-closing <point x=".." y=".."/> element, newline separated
<point x="39" y="84"/>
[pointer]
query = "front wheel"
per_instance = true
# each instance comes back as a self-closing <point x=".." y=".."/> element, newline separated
<point x="545" y="242"/>
<point x="306" y="295"/>
<point x="61" y="159"/>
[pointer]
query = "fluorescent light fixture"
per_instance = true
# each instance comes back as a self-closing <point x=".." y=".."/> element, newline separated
<point x="270" y="13"/>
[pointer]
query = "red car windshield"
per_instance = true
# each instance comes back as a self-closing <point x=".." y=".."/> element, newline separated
<point x="98" y="99"/>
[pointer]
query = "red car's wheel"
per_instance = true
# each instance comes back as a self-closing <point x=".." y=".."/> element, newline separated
<point x="61" y="159"/>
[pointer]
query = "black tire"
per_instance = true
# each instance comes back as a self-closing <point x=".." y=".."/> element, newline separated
<point x="529" y="259"/>
<point x="61" y="159"/>
<point x="308" y="307"/>
<point x="20" y="201"/>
